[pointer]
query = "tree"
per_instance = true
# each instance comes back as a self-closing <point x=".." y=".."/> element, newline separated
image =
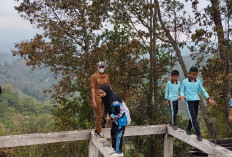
<point x="210" y="21"/>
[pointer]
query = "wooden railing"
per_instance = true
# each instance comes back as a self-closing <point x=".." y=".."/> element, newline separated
<point x="101" y="147"/>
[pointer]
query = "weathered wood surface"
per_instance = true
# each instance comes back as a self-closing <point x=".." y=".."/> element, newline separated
<point x="168" y="146"/>
<point x="225" y="142"/>
<point x="140" y="130"/>
<point x="66" y="136"/>
<point x="92" y="150"/>
<point x="103" y="146"/>
<point x="43" y="138"/>
<point x="204" y="145"/>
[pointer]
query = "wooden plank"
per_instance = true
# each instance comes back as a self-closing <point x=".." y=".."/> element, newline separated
<point x="92" y="150"/>
<point x="168" y="146"/>
<point x="204" y="145"/>
<point x="66" y="136"/>
<point x="43" y="138"/>
<point x="103" y="146"/>
<point x="140" y="130"/>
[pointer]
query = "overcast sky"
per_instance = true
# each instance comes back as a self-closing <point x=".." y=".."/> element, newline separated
<point x="13" y="28"/>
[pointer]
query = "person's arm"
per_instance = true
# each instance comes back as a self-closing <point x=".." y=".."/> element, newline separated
<point x="182" y="90"/>
<point x="179" y="95"/>
<point x="203" y="91"/>
<point x="167" y="91"/>
<point x="93" y="92"/>
<point x="116" y="114"/>
<point x="167" y="94"/>
<point x="179" y="89"/>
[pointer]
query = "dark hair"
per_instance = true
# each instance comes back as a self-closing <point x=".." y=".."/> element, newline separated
<point x="175" y="72"/>
<point x="193" y="69"/>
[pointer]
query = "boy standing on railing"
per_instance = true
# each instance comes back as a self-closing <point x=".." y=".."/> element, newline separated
<point x="172" y="95"/>
<point x="189" y="92"/>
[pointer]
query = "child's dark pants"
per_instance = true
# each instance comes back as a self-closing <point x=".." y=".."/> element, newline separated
<point x="192" y="107"/>
<point x="117" y="132"/>
<point x="174" y="110"/>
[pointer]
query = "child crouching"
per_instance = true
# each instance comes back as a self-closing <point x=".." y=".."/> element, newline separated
<point x="118" y="113"/>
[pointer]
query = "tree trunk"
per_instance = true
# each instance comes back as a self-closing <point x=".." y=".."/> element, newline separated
<point x="223" y="47"/>
<point x="151" y="53"/>
<point x="155" y="73"/>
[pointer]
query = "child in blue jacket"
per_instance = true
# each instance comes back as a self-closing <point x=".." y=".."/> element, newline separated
<point x="172" y="93"/>
<point x="189" y="91"/>
<point x="118" y="113"/>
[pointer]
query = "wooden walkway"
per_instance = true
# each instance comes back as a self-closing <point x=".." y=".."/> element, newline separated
<point x="100" y="146"/>
<point x="225" y="142"/>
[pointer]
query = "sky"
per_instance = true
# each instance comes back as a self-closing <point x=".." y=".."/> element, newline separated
<point x="13" y="28"/>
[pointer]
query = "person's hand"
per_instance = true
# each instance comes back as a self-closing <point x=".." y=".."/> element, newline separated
<point x="167" y="103"/>
<point x="183" y="98"/>
<point x="94" y="105"/>
<point x="108" y="120"/>
<point x="212" y="102"/>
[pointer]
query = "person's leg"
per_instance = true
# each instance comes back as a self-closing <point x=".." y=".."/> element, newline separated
<point x="99" y="115"/>
<point x="119" y="142"/>
<point x="198" y="132"/>
<point x="175" y="110"/>
<point x="189" y="127"/>
<point x="114" y="132"/>
<point x="122" y="125"/>
<point x="196" y="107"/>
<point x="192" y="108"/>
<point x="172" y="112"/>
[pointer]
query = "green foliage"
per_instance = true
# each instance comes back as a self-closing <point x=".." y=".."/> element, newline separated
<point x="23" y="114"/>
<point x="75" y="38"/>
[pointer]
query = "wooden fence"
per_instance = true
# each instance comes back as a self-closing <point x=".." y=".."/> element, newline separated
<point x="101" y="147"/>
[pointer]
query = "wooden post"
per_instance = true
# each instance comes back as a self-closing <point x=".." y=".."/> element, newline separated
<point x="93" y="151"/>
<point x="168" y="145"/>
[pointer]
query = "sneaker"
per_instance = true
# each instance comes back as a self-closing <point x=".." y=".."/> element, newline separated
<point x="188" y="132"/>
<point x="100" y="135"/>
<point x="112" y="152"/>
<point x="117" y="154"/>
<point x="199" y="138"/>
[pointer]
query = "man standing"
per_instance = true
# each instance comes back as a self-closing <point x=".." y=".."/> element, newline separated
<point x="97" y="80"/>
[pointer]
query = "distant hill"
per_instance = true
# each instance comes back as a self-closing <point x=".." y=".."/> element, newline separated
<point x="14" y="71"/>
<point x="7" y="58"/>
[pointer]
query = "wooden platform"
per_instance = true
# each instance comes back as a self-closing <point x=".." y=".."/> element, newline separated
<point x="225" y="142"/>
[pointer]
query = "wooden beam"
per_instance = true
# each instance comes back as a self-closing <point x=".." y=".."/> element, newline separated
<point x="140" y="130"/>
<point x="103" y="146"/>
<point x="66" y="136"/>
<point x="92" y="150"/>
<point x="168" y="145"/>
<point x="204" y="145"/>
<point x="43" y="138"/>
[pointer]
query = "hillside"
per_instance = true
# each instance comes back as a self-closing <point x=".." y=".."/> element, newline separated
<point x="14" y="71"/>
